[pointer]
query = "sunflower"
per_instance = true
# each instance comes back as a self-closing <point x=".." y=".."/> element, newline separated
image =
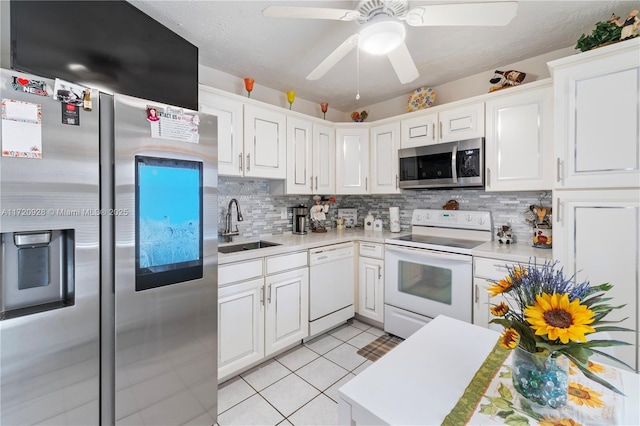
<point x="591" y="366"/>
<point x="509" y="338"/>
<point x="499" y="310"/>
<point x="501" y="286"/>
<point x="555" y="316"/>
<point x="519" y="272"/>
<point x="582" y="395"/>
<point x="552" y="421"/>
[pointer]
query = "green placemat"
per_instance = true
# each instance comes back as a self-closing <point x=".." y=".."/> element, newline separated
<point x="467" y="404"/>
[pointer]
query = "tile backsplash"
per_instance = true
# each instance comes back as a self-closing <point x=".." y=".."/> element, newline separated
<point x="262" y="210"/>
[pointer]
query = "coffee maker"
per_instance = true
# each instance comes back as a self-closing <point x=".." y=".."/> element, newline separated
<point x="300" y="219"/>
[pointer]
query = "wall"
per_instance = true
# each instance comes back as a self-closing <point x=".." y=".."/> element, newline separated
<point x="261" y="210"/>
<point x="474" y="85"/>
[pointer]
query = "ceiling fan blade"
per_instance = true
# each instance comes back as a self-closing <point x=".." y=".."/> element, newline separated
<point x="463" y="14"/>
<point x="335" y="57"/>
<point x="311" y="13"/>
<point x="403" y="64"/>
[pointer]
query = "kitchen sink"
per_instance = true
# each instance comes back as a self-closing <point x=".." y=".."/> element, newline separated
<point x="246" y="246"/>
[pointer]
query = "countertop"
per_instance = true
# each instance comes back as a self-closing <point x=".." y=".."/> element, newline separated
<point x="517" y="252"/>
<point x="290" y="242"/>
<point x="421" y="380"/>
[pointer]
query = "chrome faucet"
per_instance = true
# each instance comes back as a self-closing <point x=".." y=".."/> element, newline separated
<point x="228" y="233"/>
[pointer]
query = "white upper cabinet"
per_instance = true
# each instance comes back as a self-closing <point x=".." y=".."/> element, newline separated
<point x="460" y="123"/>
<point x="299" y="156"/>
<point x="420" y="130"/>
<point x="385" y="142"/>
<point x="519" y="141"/>
<point x="230" y="130"/>
<point x="352" y="160"/>
<point x="443" y="125"/>
<point x="251" y="139"/>
<point x="597" y="95"/>
<point x="324" y="159"/>
<point x="264" y="142"/>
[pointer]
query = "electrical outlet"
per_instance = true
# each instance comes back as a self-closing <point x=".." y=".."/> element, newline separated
<point x="283" y="213"/>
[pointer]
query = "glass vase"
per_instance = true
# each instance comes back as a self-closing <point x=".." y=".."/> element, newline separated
<point x="540" y="379"/>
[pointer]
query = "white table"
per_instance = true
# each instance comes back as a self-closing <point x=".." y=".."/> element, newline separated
<point x="421" y="380"/>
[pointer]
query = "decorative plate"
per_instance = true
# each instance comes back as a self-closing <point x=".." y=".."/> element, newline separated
<point x="421" y="98"/>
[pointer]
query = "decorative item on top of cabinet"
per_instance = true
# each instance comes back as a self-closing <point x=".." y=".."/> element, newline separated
<point x="359" y="116"/>
<point x="421" y="98"/>
<point x="248" y="85"/>
<point x="609" y="32"/>
<point x="506" y="79"/>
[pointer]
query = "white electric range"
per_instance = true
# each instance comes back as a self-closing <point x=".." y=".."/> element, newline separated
<point x="430" y="272"/>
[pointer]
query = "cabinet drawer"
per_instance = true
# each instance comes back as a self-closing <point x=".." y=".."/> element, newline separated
<point x="372" y="250"/>
<point x="239" y="271"/>
<point x="286" y="262"/>
<point x="492" y="269"/>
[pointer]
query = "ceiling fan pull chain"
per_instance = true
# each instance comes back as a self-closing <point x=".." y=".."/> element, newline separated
<point x="358" y="68"/>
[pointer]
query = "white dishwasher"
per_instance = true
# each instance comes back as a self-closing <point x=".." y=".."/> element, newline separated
<point x="331" y="286"/>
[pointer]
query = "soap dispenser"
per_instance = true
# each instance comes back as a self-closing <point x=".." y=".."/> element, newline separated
<point x="368" y="222"/>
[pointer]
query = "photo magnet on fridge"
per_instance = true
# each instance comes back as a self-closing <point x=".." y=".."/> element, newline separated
<point x="35" y="87"/>
<point x="69" y="93"/>
<point x="70" y="114"/>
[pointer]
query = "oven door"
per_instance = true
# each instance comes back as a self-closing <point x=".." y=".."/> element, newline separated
<point x="428" y="282"/>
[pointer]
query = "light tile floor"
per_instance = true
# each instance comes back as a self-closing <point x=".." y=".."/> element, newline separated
<point x="299" y="387"/>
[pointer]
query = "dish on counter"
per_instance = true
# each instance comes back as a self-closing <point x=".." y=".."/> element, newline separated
<point x="421" y="98"/>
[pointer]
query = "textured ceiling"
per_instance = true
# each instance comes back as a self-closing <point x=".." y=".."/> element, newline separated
<point x="234" y="37"/>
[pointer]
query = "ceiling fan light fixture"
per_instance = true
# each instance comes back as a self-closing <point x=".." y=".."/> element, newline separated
<point x="381" y="35"/>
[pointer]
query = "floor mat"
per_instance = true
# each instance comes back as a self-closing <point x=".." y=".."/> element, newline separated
<point x="376" y="349"/>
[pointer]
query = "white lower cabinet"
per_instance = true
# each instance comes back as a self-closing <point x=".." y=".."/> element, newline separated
<point x="260" y="315"/>
<point x="371" y="281"/>
<point x="596" y="235"/>
<point x="240" y="326"/>
<point x="286" y="313"/>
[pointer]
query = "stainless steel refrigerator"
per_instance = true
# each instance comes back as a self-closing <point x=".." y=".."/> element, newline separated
<point x="108" y="280"/>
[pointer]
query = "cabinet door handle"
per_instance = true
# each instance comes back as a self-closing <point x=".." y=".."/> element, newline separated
<point x="248" y="162"/>
<point x="269" y="294"/>
<point x="441" y="130"/>
<point x="366" y="184"/>
<point x="477" y="296"/>
<point x="433" y="131"/>
<point x="311" y="178"/>
<point x="379" y="272"/>
<point x="488" y="176"/>
<point x="558" y="219"/>
<point x="558" y="169"/>
<point x="316" y="183"/>
<point x="262" y="295"/>
<point x="397" y="182"/>
<point x="240" y="163"/>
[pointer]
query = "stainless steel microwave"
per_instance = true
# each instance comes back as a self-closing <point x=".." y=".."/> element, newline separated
<point x="443" y="165"/>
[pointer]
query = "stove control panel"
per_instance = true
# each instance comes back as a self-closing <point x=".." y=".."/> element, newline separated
<point x="459" y="219"/>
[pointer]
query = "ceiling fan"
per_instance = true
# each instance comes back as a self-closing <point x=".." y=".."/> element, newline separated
<point x="383" y="32"/>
